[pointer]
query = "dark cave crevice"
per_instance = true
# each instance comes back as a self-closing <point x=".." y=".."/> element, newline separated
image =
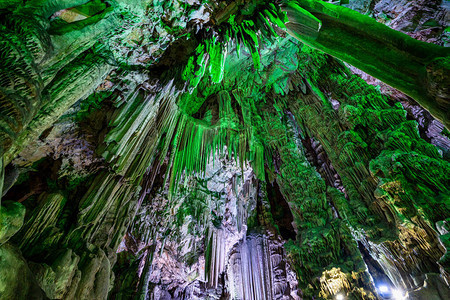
<point x="33" y="180"/>
<point x="281" y="212"/>
<point x="317" y="157"/>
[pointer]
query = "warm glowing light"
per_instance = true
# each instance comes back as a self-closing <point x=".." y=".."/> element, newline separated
<point x="339" y="297"/>
<point x="383" y="288"/>
<point x="397" y="294"/>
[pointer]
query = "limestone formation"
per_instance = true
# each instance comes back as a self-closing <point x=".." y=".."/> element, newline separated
<point x="239" y="149"/>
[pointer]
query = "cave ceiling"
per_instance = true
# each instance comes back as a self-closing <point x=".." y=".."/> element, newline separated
<point x="242" y="150"/>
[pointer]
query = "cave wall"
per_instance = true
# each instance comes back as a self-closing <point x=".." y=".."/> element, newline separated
<point x="126" y="178"/>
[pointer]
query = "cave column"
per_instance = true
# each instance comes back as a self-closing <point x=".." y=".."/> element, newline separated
<point x="324" y="243"/>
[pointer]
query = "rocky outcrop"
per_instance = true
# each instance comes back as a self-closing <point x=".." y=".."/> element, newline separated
<point x="57" y="278"/>
<point x="16" y="279"/>
<point x="11" y="220"/>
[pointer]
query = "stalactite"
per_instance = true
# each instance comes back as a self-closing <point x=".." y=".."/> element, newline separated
<point x="145" y="275"/>
<point x="216" y="261"/>
<point x="42" y="223"/>
<point x="141" y="120"/>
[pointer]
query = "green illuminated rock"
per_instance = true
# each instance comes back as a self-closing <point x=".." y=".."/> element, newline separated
<point x="413" y="67"/>
<point x="11" y="219"/>
<point x="224" y="149"/>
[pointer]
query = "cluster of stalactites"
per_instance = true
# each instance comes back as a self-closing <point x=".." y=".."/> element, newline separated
<point x="194" y="142"/>
<point x="266" y="23"/>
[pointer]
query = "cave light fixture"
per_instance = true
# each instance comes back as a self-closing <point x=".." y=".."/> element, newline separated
<point x="391" y="293"/>
<point x="398" y="294"/>
<point x="340" y="296"/>
<point x="383" y="289"/>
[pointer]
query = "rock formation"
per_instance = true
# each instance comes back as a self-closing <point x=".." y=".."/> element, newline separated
<point x="202" y="149"/>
